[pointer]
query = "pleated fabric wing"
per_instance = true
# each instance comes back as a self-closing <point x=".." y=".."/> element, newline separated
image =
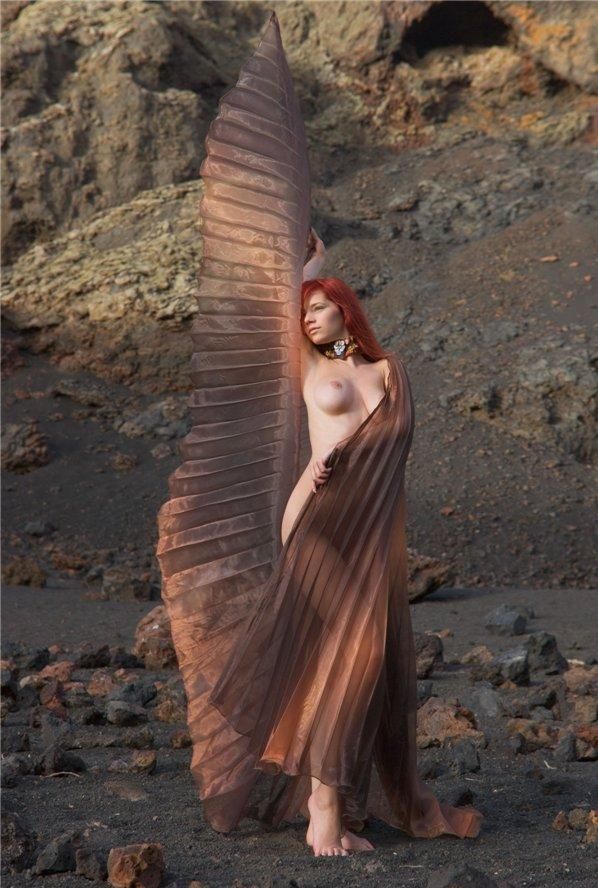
<point x="219" y="531"/>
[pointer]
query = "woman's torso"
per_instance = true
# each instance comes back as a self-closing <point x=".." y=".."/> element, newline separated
<point x="339" y="397"/>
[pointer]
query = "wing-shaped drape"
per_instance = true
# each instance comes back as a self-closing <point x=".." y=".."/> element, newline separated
<point x="219" y="531"/>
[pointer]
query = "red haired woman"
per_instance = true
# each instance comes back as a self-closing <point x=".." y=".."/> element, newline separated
<point x="322" y="683"/>
<point x="344" y="372"/>
<point x="344" y="377"/>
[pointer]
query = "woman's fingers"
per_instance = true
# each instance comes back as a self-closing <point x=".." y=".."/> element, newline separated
<point x="319" y="473"/>
<point x="313" y="476"/>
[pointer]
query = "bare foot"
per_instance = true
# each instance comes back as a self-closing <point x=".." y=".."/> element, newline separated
<point x="325" y="836"/>
<point x="353" y="842"/>
<point x="349" y="840"/>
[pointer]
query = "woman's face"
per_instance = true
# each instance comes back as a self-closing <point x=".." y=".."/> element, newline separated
<point x="323" y="320"/>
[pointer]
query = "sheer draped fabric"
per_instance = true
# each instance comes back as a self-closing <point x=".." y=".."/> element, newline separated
<point x="298" y="660"/>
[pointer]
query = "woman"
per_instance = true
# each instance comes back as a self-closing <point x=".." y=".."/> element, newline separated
<point x="339" y="396"/>
<point x="298" y="662"/>
<point x="321" y="680"/>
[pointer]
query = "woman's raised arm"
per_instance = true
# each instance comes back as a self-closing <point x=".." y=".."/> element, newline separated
<point x="312" y="267"/>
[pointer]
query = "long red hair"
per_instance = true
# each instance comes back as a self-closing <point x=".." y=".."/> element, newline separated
<point x="355" y="318"/>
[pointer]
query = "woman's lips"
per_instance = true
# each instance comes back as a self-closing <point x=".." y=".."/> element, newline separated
<point x="313" y="329"/>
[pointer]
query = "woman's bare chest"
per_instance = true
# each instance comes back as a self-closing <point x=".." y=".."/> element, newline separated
<point x="335" y="392"/>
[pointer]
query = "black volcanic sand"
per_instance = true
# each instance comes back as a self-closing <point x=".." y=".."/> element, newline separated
<point x="520" y="795"/>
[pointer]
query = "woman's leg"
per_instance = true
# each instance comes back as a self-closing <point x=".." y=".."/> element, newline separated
<point x="300" y="493"/>
<point x="324" y="831"/>
<point x="325" y="828"/>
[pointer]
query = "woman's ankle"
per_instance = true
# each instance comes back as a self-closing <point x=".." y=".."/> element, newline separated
<point x="325" y="796"/>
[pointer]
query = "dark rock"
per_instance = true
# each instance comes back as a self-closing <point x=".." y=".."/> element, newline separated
<point x="513" y="665"/>
<point x="88" y="715"/>
<point x="93" y="659"/>
<point x="544" y="655"/>
<point x="138" y="738"/>
<point x="465" y="757"/>
<point x="92" y="865"/>
<point x="505" y="620"/>
<point x="428" y="653"/>
<point x="120" y="713"/>
<point x="27" y="697"/>
<point x="55" y="731"/>
<point x="37" y="660"/>
<point x="556" y="786"/>
<point x="39" y="528"/>
<point x="429" y="767"/>
<point x="485" y="700"/>
<point x="134" y="692"/>
<point x="55" y="759"/>
<point x="11" y="770"/>
<point x="525" y="702"/>
<point x="120" y="584"/>
<point x="58" y="856"/>
<point x="77" y="697"/>
<point x="15" y="741"/>
<point x="565" y="750"/>
<point x="18" y="843"/>
<point x="424" y="689"/>
<point x="8" y="682"/>
<point x="119" y="657"/>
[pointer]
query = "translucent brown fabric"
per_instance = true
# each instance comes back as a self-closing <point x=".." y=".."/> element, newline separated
<point x="297" y="661"/>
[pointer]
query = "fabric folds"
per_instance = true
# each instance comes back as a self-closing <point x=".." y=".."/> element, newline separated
<point x="298" y="660"/>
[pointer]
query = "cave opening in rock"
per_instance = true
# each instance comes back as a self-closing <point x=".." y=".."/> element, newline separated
<point x="453" y="23"/>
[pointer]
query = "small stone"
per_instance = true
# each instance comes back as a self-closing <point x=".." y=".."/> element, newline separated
<point x="58" y="856"/>
<point x="505" y="620"/>
<point x="18" y="842"/>
<point x="136" y="866"/>
<point x="120" y="713"/>
<point x="91" y="864"/>
<point x="513" y="665"/>
<point x="544" y="655"/>
<point x="565" y="750"/>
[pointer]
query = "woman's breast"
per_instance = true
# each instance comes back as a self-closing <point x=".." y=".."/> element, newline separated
<point x="336" y="405"/>
<point x="334" y="396"/>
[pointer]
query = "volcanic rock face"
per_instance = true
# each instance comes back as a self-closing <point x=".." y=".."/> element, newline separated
<point x="104" y="101"/>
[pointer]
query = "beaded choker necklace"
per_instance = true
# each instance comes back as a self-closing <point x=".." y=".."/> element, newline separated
<point x="341" y="348"/>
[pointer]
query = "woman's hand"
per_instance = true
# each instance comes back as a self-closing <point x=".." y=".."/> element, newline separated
<point x="320" y="472"/>
<point x="312" y="267"/>
<point x="319" y="247"/>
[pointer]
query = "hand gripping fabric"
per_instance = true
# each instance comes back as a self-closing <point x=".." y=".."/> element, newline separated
<point x="297" y="661"/>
